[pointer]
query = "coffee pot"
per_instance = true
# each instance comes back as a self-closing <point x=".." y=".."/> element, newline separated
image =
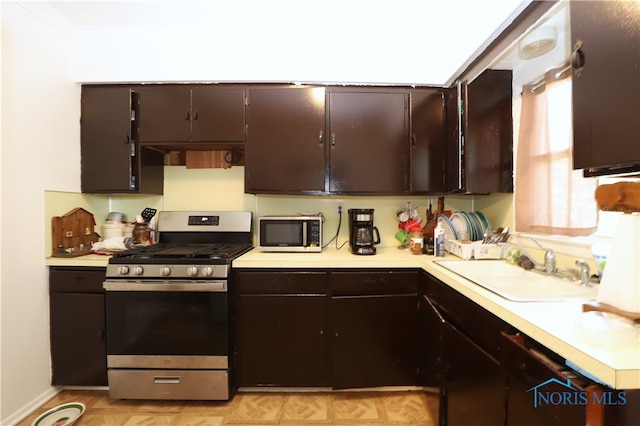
<point x="363" y="236"/>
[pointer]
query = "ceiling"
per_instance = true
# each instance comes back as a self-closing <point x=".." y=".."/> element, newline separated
<point x="450" y="33"/>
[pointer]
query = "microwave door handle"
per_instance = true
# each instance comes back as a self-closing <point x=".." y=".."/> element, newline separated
<point x="305" y="225"/>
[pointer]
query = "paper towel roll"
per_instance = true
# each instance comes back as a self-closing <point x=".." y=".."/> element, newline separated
<point x="620" y="285"/>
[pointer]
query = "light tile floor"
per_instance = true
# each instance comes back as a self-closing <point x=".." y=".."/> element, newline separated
<point x="253" y="408"/>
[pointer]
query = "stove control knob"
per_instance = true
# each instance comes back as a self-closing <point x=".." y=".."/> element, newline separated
<point x="192" y="271"/>
<point x="165" y="271"/>
<point x="207" y="271"/>
<point x="138" y="270"/>
<point x="123" y="270"/>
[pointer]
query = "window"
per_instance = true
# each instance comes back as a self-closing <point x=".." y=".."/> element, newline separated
<point x="551" y="197"/>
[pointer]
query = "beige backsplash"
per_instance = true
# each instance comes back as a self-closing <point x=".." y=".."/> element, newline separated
<point x="223" y="189"/>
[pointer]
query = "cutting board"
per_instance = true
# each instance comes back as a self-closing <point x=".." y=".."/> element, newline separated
<point x="73" y="233"/>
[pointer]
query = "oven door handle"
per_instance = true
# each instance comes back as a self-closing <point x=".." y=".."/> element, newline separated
<point x="184" y="286"/>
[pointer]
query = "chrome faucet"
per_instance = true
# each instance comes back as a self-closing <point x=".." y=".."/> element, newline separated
<point x="549" y="258"/>
<point x="585" y="279"/>
<point x="549" y="265"/>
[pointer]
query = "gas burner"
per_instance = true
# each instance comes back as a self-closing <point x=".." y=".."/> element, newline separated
<point x="182" y="253"/>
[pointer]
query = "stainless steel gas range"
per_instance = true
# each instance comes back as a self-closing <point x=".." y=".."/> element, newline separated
<point x="168" y="308"/>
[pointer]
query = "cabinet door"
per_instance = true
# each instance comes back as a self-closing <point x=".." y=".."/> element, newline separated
<point x="78" y="350"/>
<point x="165" y="113"/>
<point x="474" y="383"/>
<point x="480" y="141"/>
<point x="427" y="153"/>
<point x="374" y="341"/>
<point x="284" y="151"/>
<point x="281" y="340"/>
<point x="106" y="142"/>
<point x="217" y="114"/>
<point x="606" y="94"/>
<point x="430" y="343"/>
<point x="368" y="142"/>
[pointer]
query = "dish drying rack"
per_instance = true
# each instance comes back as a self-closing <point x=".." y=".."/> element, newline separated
<point x="477" y="250"/>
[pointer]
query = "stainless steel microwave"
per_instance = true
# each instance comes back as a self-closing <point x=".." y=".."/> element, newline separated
<point x="290" y="233"/>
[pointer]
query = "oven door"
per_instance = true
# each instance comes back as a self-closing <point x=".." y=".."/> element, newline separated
<point x="167" y="324"/>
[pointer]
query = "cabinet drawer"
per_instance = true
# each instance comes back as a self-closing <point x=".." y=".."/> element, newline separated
<point x="466" y="315"/>
<point x="76" y="279"/>
<point x="168" y="384"/>
<point x="368" y="282"/>
<point x="529" y="370"/>
<point x="281" y="282"/>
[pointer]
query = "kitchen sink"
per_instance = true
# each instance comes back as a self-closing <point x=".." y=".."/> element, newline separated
<point x="517" y="284"/>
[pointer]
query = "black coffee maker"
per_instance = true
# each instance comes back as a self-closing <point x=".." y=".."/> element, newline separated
<point x="362" y="231"/>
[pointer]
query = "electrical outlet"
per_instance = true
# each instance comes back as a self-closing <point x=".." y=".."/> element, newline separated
<point x="339" y="208"/>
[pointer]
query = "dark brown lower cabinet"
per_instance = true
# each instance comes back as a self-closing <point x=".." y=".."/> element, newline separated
<point x="280" y="328"/>
<point x="77" y="314"/>
<point x="474" y="383"/>
<point x="326" y="328"/>
<point x="374" y="340"/>
<point x="282" y="340"/>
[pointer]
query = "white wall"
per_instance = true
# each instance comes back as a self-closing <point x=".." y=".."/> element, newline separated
<point x="39" y="150"/>
<point x="345" y="41"/>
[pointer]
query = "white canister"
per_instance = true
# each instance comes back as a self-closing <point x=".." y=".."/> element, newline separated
<point x="111" y="230"/>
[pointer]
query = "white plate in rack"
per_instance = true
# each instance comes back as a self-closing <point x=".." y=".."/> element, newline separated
<point x="449" y="230"/>
<point x="461" y="225"/>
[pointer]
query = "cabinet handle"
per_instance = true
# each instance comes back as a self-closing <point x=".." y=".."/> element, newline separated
<point x="577" y="59"/>
<point x="333" y="141"/>
<point x="166" y="380"/>
<point x="127" y="140"/>
<point x="187" y="115"/>
<point x="320" y="138"/>
<point x="414" y="140"/>
<point x="101" y="334"/>
<point x="195" y="115"/>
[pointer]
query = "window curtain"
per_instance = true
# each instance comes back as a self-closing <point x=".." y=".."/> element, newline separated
<point x="551" y="197"/>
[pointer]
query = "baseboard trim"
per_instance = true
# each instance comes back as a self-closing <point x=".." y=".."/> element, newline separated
<point x="33" y="405"/>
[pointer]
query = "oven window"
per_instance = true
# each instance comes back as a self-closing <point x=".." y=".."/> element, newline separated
<point x="167" y="323"/>
<point x="281" y="233"/>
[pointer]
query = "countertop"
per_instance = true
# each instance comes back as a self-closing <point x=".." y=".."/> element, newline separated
<point x="560" y="326"/>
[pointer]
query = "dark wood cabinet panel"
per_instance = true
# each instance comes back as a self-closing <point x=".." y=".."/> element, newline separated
<point x="218" y="114"/>
<point x="427" y="144"/>
<point x="374" y="341"/>
<point x="111" y="158"/>
<point x="285" y="148"/>
<point x="367" y="142"/>
<point x="281" y="340"/>
<point x="281" y="328"/>
<point x="374" y="324"/>
<point x="606" y="84"/>
<point x="480" y="140"/>
<point x="474" y="383"/>
<point x="191" y="115"/>
<point x="77" y="316"/>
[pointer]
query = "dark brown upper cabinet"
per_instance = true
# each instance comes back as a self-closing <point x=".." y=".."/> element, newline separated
<point x="192" y="116"/>
<point x="285" y="147"/>
<point x="606" y="86"/>
<point x="367" y="141"/>
<point x="112" y="160"/>
<point x="330" y="140"/>
<point x="427" y="143"/>
<point x="480" y="135"/>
